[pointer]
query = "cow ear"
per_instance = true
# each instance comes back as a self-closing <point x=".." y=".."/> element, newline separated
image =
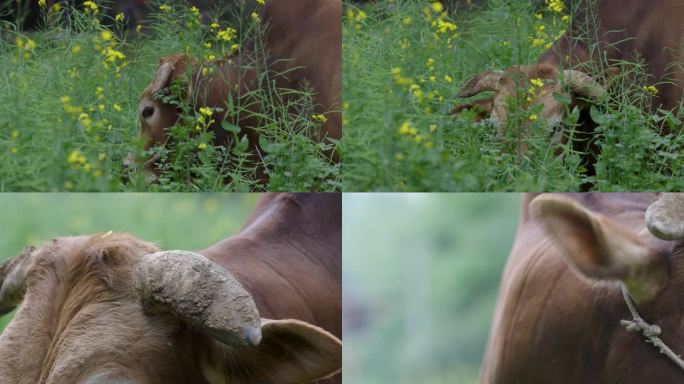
<point x="291" y="351"/>
<point x="170" y="67"/>
<point x="13" y="280"/>
<point x="599" y="247"/>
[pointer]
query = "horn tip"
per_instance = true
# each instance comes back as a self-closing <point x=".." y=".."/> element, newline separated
<point x="253" y="336"/>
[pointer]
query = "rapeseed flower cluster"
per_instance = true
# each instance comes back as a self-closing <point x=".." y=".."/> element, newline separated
<point x="650" y="89"/>
<point x="90" y="7"/>
<point x="356" y="18"/>
<point x="25" y="46"/>
<point x="412" y="135"/>
<point x="319" y="118"/>
<point x="558" y="22"/>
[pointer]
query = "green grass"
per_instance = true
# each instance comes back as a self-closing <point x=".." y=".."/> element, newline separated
<point x="403" y="65"/>
<point x="172" y="221"/>
<point x="69" y="110"/>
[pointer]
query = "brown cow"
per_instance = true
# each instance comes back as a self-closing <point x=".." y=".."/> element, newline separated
<point x="263" y="306"/>
<point x="622" y="29"/>
<point x="304" y="40"/>
<point x="558" y="318"/>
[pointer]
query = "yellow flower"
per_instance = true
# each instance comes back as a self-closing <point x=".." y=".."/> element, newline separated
<point x="255" y="17"/>
<point x="202" y="146"/>
<point x="448" y="79"/>
<point x="319" y="118"/>
<point x="76" y="157"/>
<point x="15" y="134"/>
<point x="235" y="47"/>
<point x="537" y="82"/>
<point x="106" y="35"/>
<point x="651" y="89"/>
<point x="261" y="2"/>
<point x="138" y="28"/>
<point x="407" y="129"/>
<point x="399" y="156"/>
<point x="119" y="17"/>
<point x="213" y="26"/>
<point x="113" y="55"/>
<point x="97" y="173"/>
<point x="89" y="5"/>
<point x="56" y="7"/>
<point x="227" y="34"/>
<point x="117" y="107"/>
<point x="437" y="7"/>
<point x="164" y="8"/>
<point x="206" y="111"/>
<point x="207" y="44"/>
<point x="195" y="11"/>
<point x="14" y="150"/>
<point x="211" y="57"/>
<point x="555" y="5"/>
<point x="533" y="117"/>
<point x="407" y="21"/>
<point x="75" y="49"/>
<point x="41" y="3"/>
<point x="65" y="99"/>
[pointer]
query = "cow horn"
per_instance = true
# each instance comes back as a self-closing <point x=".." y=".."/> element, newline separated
<point x="583" y="84"/>
<point x="199" y="292"/>
<point x="486" y="81"/>
<point x="161" y="78"/>
<point x="12" y="280"/>
<point x="665" y="217"/>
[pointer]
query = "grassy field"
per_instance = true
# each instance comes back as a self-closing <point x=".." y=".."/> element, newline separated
<point x="172" y="221"/>
<point x="69" y="108"/>
<point x="404" y="62"/>
<point x="420" y="278"/>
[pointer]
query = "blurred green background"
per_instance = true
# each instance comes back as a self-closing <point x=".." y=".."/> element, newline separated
<point x="173" y="221"/>
<point x="420" y="279"/>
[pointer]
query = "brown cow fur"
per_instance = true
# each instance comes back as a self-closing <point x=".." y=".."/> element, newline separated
<point x="81" y="323"/>
<point x="554" y="324"/>
<point x="304" y="50"/>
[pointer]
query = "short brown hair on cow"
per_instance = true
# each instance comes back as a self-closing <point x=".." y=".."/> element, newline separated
<point x="577" y="261"/>
<point x="602" y="36"/>
<point x="112" y="308"/>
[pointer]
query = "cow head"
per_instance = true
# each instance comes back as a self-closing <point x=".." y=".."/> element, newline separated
<point x="601" y="248"/>
<point x="208" y="84"/>
<point x="156" y="117"/>
<point x="544" y="85"/>
<point x="112" y="309"/>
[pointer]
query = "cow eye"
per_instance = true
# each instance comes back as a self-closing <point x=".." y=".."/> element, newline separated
<point x="147" y="112"/>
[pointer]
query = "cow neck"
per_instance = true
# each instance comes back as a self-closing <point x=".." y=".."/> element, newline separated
<point x="651" y="332"/>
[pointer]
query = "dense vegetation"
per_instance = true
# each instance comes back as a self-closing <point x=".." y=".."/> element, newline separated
<point x="420" y="279"/>
<point x="69" y="107"/>
<point x="404" y="62"/>
<point x="172" y="221"/>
